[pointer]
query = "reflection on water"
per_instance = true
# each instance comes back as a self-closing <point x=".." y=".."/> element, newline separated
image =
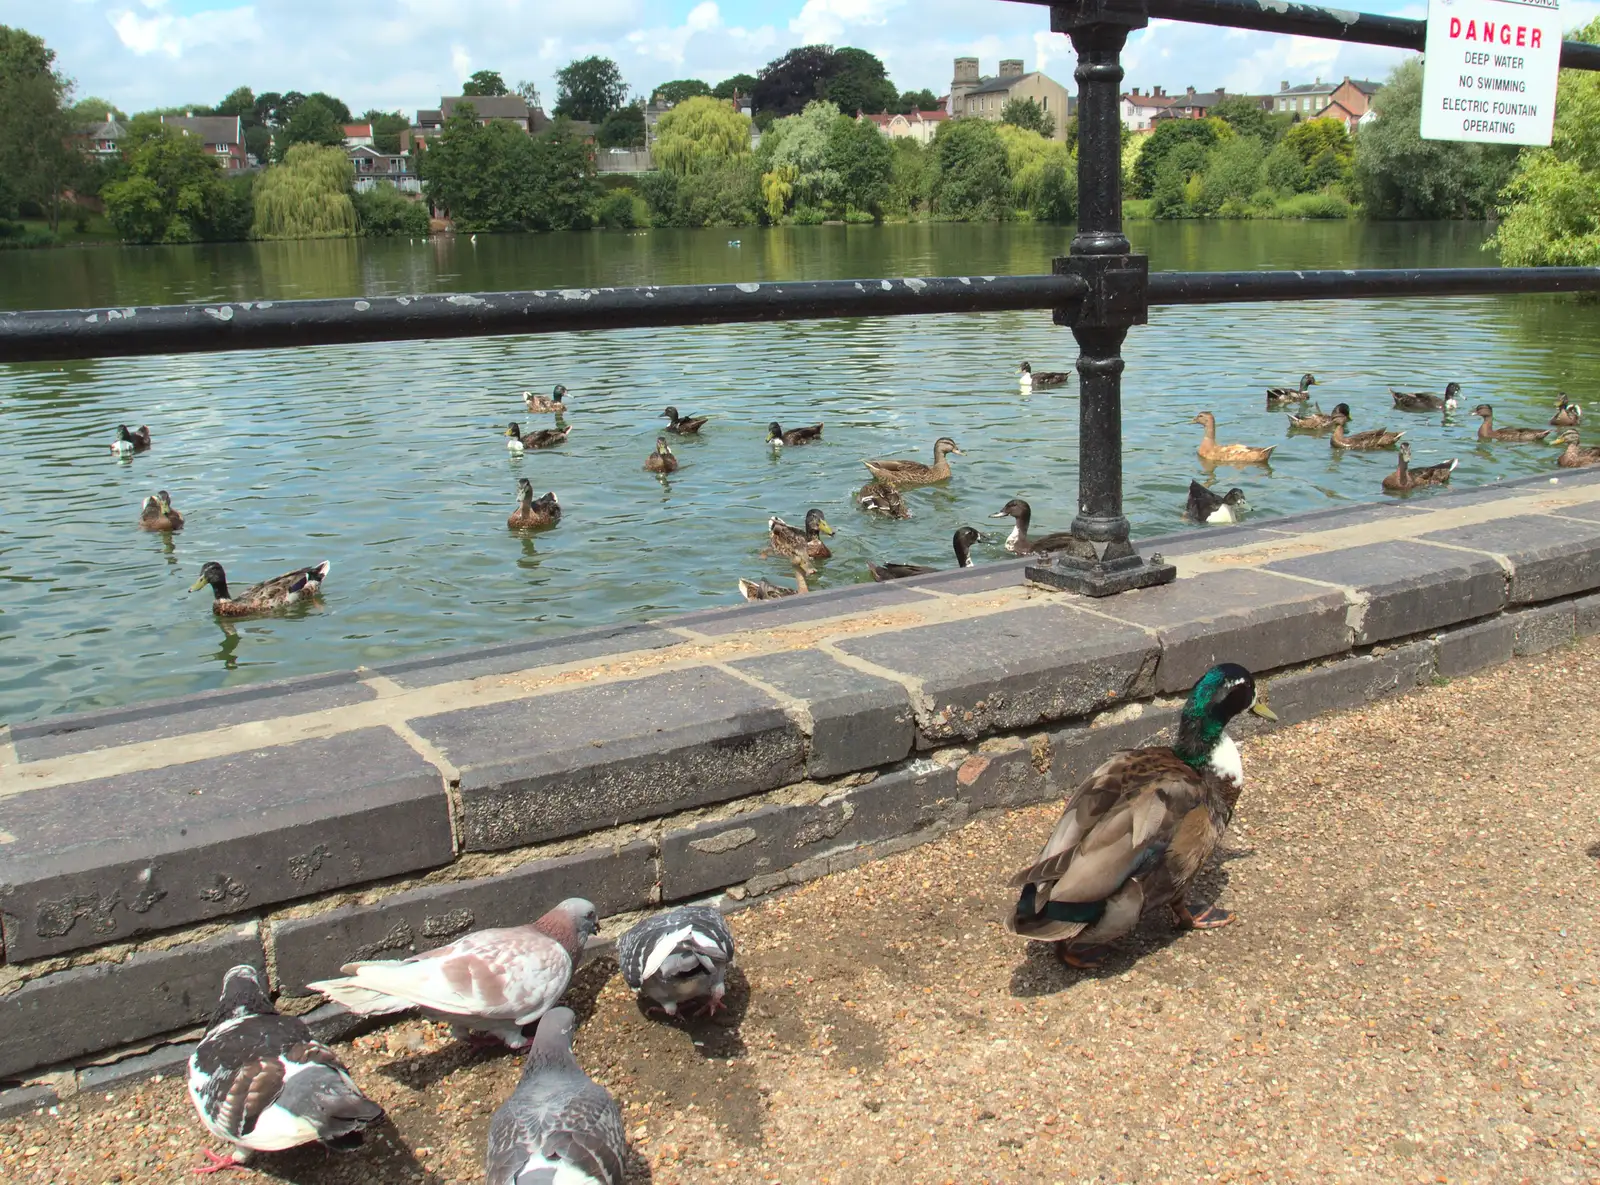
<point x="389" y="460"/>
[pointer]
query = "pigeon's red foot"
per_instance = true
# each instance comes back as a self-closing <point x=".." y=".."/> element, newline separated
<point x="713" y="1005"/>
<point x="217" y="1164"/>
<point x="1209" y="918"/>
<point x="1084" y="958"/>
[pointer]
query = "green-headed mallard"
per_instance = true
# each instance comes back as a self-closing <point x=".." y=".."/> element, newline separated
<point x="1567" y="414"/>
<point x="1317" y="421"/>
<point x="1281" y="395"/>
<point x="662" y="460"/>
<point x="1370" y="439"/>
<point x="1213" y="453"/>
<point x="542" y="404"/>
<point x="1426" y="400"/>
<point x="543" y="512"/>
<point x="1487" y="430"/>
<point x="796" y="543"/>
<point x="904" y="474"/>
<point x="1207" y="506"/>
<point x="880" y="497"/>
<point x="763" y="589"/>
<point x="517" y="439"/>
<point x="1031" y="380"/>
<point x="1406" y="478"/>
<point x="157" y="514"/>
<point x="684" y="425"/>
<point x="1575" y="455"/>
<point x="292" y="587"/>
<point x="777" y="437"/>
<point x="1137" y="832"/>
<point x="1018" y="541"/>
<point x="127" y="443"/>
<point x="962" y="541"/>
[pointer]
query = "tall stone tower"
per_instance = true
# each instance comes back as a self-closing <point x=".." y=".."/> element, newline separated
<point x="966" y="79"/>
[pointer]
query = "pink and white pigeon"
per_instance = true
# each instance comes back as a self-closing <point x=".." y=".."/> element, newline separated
<point x="490" y="981"/>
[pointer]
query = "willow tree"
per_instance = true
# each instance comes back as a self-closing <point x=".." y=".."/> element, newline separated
<point x="701" y="134"/>
<point x="306" y="197"/>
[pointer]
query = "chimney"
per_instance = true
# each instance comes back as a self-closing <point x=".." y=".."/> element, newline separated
<point x="1011" y="68"/>
<point x="1161" y="91"/>
<point x="1319" y="80"/>
<point x="1283" y="86"/>
<point x="1191" y="91"/>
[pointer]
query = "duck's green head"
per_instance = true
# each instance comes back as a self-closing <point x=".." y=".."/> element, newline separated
<point x="1222" y="693"/>
<point x="1307" y="380"/>
<point x="559" y="393"/>
<point x="816" y="524"/>
<point x="774" y="433"/>
<point x="211" y="573"/>
<point x="514" y="430"/>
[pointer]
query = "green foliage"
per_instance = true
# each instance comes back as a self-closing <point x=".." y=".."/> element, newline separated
<point x="623" y="128"/>
<point x="1030" y="157"/>
<point x="1400" y="175"/>
<point x="240" y="101"/>
<point x="728" y="194"/>
<point x="859" y="156"/>
<point x="1314" y="138"/>
<point x="922" y="100"/>
<point x="801" y="142"/>
<point x="1283" y="170"/>
<point x="971" y="180"/>
<point x="528" y="92"/>
<point x="94" y="110"/>
<point x="673" y="93"/>
<point x="1057" y="199"/>
<point x="37" y="160"/>
<point x="1176" y="189"/>
<point x="485" y="83"/>
<point x="616" y="211"/>
<point x="910" y="178"/>
<point x="1167" y="136"/>
<point x="590" y="89"/>
<point x="700" y="134"/>
<point x="787" y="84"/>
<point x="1234" y="171"/>
<point x="1314" y="205"/>
<point x="174" y="193"/>
<point x="857" y="82"/>
<point x="739" y="84"/>
<point x="307" y="196"/>
<point x="313" y="123"/>
<point x="1552" y="211"/>
<point x="341" y="112"/>
<point x="386" y="129"/>
<point x="496" y="177"/>
<point x="235" y="212"/>
<point x="1248" y="118"/>
<point x="1026" y="113"/>
<point x="384" y="211"/>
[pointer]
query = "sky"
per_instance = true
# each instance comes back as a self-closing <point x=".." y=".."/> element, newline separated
<point x="405" y="54"/>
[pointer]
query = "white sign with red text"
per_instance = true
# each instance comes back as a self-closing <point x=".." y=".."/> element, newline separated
<point x="1490" y="70"/>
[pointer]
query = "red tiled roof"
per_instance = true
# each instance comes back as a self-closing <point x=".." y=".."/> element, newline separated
<point x="933" y="116"/>
<point x="357" y="129"/>
<point x="882" y="120"/>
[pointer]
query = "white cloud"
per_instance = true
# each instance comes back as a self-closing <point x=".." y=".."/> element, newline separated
<point x="174" y="35"/>
<point x="827" y="21"/>
<point x="460" y="61"/>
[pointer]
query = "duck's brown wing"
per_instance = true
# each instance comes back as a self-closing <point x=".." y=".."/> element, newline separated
<point x="895" y="467"/>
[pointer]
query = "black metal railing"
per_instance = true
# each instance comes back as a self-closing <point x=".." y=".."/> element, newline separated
<point x="1100" y="289"/>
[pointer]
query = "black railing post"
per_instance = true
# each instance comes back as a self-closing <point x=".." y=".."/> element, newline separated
<point x="1101" y="560"/>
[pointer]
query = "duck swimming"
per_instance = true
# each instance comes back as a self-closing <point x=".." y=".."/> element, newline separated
<point x="291" y="588"/>
<point x="531" y="512"/>
<point x="517" y="439"/>
<point x="1205" y="506"/>
<point x="904" y="474"/>
<point x="1280" y="395"/>
<point x="962" y="541"/>
<point x="1042" y="380"/>
<point x="157" y="514"/>
<point x="1213" y="453"/>
<point x="1018" y="541"/>
<point x="1426" y="400"/>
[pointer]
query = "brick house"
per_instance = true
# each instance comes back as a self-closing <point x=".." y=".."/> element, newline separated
<point x="222" y="135"/>
<point x="1191" y="104"/>
<point x="488" y="109"/>
<point x="1347" y="100"/>
<point x="373" y="168"/>
<point x="974" y="97"/>
<point x="103" y="140"/>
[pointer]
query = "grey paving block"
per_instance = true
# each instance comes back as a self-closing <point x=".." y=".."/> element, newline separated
<point x="1586" y="615"/>
<point x="1549" y="557"/>
<point x="1347" y="683"/>
<point x="1014" y="669"/>
<point x="1474" y="647"/>
<point x="167" y="1060"/>
<point x="1192" y="542"/>
<point x="24" y="1100"/>
<point x="1588" y="511"/>
<point x="1350" y="514"/>
<point x="315" y="947"/>
<point x="182" y="715"/>
<point x="966" y="581"/>
<point x="103" y="860"/>
<point x="579" y="646"/>
<point x="1408" y="587"/>
<point x="1242" y="615"/>
<point x="858" y="721"/>
<point x="1005" y="779"/>
<point x="570" y="761"/>
<point x="99" y="1006"/>
<point x="1542" y="628"/>
<point x="817" y="606"/>
<point x="1078" y="751"/>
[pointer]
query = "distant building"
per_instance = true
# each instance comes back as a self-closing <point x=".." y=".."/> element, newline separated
<point x="1139" y="110"/>
<point x="1347" y="100"/>
<point x="221" y="134"/>
<point x="975" y="97"/>
<point x="920" y="126"/>
<point x="487" y="108"/>
<point x="103" y="140"/>
<point x="373" y="168"/>
<point x="1192" y="104"/>
<point x="358" y="135"/>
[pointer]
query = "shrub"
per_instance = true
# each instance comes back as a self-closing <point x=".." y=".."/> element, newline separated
<point x="615" y="211"/>
<point x="1315" y="205"/>
<point x="384" y="211"/>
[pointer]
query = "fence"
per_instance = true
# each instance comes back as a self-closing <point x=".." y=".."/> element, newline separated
<point x="1100" y="289"/>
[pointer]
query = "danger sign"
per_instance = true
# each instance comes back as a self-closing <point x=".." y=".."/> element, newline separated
<point x="1490" y="70"/>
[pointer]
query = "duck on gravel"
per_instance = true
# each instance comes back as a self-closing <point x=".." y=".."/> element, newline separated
<point x="1213" y="453"/>
<point x="1018" y="542"/>
<point x="1487" y="430"/>
<point x="1426" y="400"/>
<point x="1139" y="829"/>
<point x="1277" y="396"/>
<point x="1208" y="506"/>
<point x="1407" y="478"/>
<point x="962" y="541"/>
<point x="904" y="474"/>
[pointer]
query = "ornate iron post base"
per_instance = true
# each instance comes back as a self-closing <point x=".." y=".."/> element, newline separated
<point x="1101" y="559"/>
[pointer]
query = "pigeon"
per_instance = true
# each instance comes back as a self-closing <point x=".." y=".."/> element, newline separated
<point x="490" y="981"/>
<point x="678" y="956"/>
<point x="559" y="1127"/>
<point x="261" y="1082"/>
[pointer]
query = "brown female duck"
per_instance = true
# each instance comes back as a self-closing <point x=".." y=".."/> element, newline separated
<point x="1213" y="453"/>
<point x="1318" y="421"/>
<point x="1018" y="541"/>
<point x="1137" y="832"/>
<point x="157" y="514"/>
<point x="1370" y="439"/>
<point x="1487" y="430"/>
<point x="904" y="474"/>
<point x="1575" y="455"/>
<point x="763" y="589"/>
<point x="662" y="460"/>
<point x="684" y="425"/>
<point x="797" y="543"/>
<point x="531" y="512"/>
<point x="1406" y="478"/>
<point x="1567" y="414"/>
<point x="880" y="497"/>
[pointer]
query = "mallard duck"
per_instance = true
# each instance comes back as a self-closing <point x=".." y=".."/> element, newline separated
<point x="1487" y="430"/>
<point x="1227" y="454"/>
<point x="1018" y="541"/>
<point x="300" y="585"/>
<point x="1206" y="506"/>
<point x="777" y="437"/>
<point x="1137" y="832"/>
<point x="684" y="425"/>
<point x="1426" y="400"/>
<point x="157" y="514"/>
<point x="763" y="589"/>
<point x="1317" y="421"/>
<point x="662" y="460"/>
<point x="517" y="439"/>
<point x="905" y="474"/>
<point x="1029" y="381"/>
<point x="546" y="512"/>
<point x="127" y="443"/>
<point x="1567" y="413"/>
<point x="1281" y="395"/>
<point x="1576" y="455"/>
<point x="541" y="404"/>
<point x="1406" y="478"/>
<point x="963" y="540"/>
<point x="882" y="498"/>
<point x="796" y="543"/>
<point x="1370" y="439"/>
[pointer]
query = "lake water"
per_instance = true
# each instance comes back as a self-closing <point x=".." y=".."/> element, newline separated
<point x="389" y="460"/>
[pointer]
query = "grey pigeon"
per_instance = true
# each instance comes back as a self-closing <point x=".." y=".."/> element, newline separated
<point x="559" y="1127"/>
<point x="491" y="981"/>
<point x="261" y="1082"/>
<point x="678" y="956"/>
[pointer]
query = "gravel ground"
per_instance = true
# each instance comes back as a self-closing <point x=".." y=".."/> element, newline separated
<point x="1410" y="994"/>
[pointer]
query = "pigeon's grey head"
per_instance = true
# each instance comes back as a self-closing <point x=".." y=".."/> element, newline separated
<point x="555" y="1029"/>
<point x="243" y="995"/>
<point x="572" y="924"/>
